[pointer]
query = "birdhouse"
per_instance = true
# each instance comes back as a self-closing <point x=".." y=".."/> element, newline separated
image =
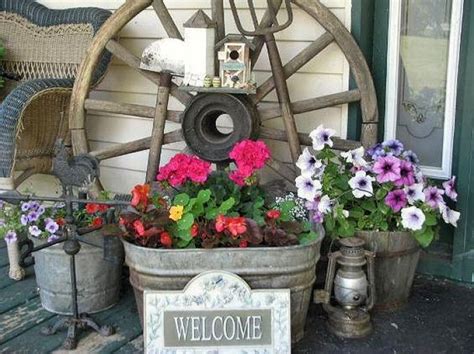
<point x="200" y="39"/>
<point x="234" y="60"/>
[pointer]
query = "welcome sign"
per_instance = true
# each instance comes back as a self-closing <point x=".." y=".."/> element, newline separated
<point x="218" y="312"/>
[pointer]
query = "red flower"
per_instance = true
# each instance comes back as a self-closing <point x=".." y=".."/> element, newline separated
<point x="140" y="196"/>
<point x="60" y="221"/>
<point x="97" y="222"/>
<point x="103" y="208"/>
<point x="221" y="223"/>
<point x="243" y="244"/>
<point x="92" y="208"/>
<point x="139" y="227"/>
<point x="273" y="214"/>
<point x="195" y="230"/>
<point x="236" y="226"/>
<point x="166" y="240"/>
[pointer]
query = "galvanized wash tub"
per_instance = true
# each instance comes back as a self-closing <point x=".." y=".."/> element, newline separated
<point x="262" y="268"/>
<point x="397" y="255"/>
<point x="98" y="277"/>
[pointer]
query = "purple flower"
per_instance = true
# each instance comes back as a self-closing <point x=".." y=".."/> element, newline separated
<point x="387" y="169"/>
<point x="2" y="204"/>
<point x="321" y="137"/>
<point x="317" y="217"/>
<point x="11" y="237"/>
<point x="396" y="200"/>
<point x="24" y="220"/>
<point x="34" y="205"/>
<point x="450" y="189"/>
<point x="34" y="231"/>
<point x="413" y="218"/>
<point x="2" y="222"/>
<point x="407" y="174"/>
<point x="33" y="216"/>
<point x="52" y="227"/>
<point x="41" y="210"/>
<point x="376" y="151"/>
<point x="25" y="207"/>
<point x="52" y="238"/>
<point x="434" y="197"/>
<point x="394" y="147"/>
<point x="308" y="188"/>
<point x="410" y="156"/>
<point x="361" y="185"/>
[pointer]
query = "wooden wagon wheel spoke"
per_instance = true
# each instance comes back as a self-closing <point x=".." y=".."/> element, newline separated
<point x="135" y="146"/>
<point x="280" y="135"/>
<point x="300" y="60"/>
<point x="313" y="104"/>
<point x="282" y="170"/>
<point x="166" y="19"/>
<point x="129" y="109"/>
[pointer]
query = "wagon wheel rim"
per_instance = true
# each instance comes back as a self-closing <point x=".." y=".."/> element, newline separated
<point x="335" y="32"/>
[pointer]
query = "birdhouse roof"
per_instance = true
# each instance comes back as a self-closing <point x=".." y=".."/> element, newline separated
<point x="237" y="38"/>
<point x="199" y="20"/>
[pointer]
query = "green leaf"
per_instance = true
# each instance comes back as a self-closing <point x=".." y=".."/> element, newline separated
<point x="184" y="234"/>
<point x="308" y="237"/>
<point x="182" y="243"/>
<point x="204" y="196"/>
<point x="186" y="222"/>
<point x="425" y="236"/>
<point x="211" y="214"/>
<point x="190" y="205"/>
<point x="356" y="213"/>
<point x="381" y="194"/>
<point x="368" y="205"/>
<point x="226" y="205"/>
<point x="431" y="220"/>
<point x="181" y="199"/>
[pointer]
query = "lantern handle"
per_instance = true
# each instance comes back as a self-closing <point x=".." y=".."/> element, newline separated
<point x="370" y="256"/>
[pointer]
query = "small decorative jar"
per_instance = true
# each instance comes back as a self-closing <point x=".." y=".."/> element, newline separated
<point x="216" y="82"/>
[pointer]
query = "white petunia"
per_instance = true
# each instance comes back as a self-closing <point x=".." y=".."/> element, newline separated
<point x="355" y="157"/>
<point x="361" y="185"/>
<point x="308" y="188"/>
<point x="325" y="205"/>
<point x="308" y="164"/>
<point x="413" y="218"/>
<point x="321" y="137"/>
<point x="415" y="193"/>
<point x="449" y="216"/>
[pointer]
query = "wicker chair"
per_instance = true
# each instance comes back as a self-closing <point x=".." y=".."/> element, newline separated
<point x="45" y="47"/>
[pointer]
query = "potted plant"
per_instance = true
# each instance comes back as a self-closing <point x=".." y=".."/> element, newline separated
<point x="201" y="220"/>
<point x="380" y="196"/>
<point x="98" y="276"/>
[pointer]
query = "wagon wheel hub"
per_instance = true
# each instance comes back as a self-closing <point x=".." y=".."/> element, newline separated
<point x="201" y="130"/>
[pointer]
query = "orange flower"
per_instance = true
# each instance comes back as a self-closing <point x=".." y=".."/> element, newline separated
<point x="92" y="208"/>
<point x="97" y="222"/>
<point x="60" y="221"/>
<point x="139" y="227"/>
<point x="221" y="223"/>
<point x="236" y="226"/>
<point x="140" y="196"/>
<point x="195" y="230"/>
<point x="166" y="240"/>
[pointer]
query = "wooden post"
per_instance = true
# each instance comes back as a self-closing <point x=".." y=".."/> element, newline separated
<point x="283" y="96"/>
<point x="158" y="127"/>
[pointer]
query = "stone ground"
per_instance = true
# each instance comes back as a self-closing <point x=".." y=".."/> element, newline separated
<point x="439" y="319"/>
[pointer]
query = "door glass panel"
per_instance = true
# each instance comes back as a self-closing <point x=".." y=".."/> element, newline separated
<point x="424" y="53"/>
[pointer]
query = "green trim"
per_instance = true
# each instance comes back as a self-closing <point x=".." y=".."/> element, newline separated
<point x="362" y="29"/>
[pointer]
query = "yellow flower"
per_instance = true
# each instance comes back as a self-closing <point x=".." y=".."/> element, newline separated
<point x="176" y="212"/>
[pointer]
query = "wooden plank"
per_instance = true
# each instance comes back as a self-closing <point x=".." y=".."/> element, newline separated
<point x="32" y="338"/>
<point x="280" y="135"/>
<point x="217" y="7"/>
<point x="20" y="319"/>
<point x="298" y="61"/>
<point x="18" y="293"/>
<point x="282" y="170"/>
<point x="312" y="104"/>
<point x="134" y="346"/>
<point x="3" y="257"/>
<point x="5" y="281"/>
<point x="129" y="109"/>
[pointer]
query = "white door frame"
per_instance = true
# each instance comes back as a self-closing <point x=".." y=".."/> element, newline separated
<point x="393" y="63"/>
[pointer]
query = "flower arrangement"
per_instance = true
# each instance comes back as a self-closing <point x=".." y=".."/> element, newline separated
<point x="198" y="207"/>
<point x="45" y="221"/>
<point x="382" y="189"/>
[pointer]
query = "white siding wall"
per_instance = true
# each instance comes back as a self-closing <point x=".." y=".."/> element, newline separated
<point x="328" y="73"/>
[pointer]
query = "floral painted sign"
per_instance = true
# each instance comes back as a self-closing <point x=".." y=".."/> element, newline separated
<point x="218" y="312"/>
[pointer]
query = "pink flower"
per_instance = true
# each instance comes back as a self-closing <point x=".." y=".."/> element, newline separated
<point x="198" y="170"/>
<point x="396" y="200"/>
<point x="249" y="156"/>
<point x="237" y="177"/>
<point x="434" y="197"/>
<point x="182" y="168"/>
<point x="407" y="174"/>
<point x="450" y="190"/>
<point x="387" y="169"/>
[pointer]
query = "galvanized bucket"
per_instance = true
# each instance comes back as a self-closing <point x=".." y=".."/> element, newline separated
<point x="397" y="255"/>
<point x="263" y="268"/>
<point x="98" y="276"/>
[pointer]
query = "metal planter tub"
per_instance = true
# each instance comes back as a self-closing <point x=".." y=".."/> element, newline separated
<point x="98" y="276"/>
<point x="396" y="259"/>
<point x="263" y="268"/>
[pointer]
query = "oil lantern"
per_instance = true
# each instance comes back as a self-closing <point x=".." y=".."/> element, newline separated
<point x="354" y="290"/>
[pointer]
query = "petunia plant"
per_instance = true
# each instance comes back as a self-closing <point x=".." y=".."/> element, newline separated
<point x="194" y="206"/>
<point x="381" y="189"/>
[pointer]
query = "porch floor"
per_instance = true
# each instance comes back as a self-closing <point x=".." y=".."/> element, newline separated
<point x="439" y="318"/>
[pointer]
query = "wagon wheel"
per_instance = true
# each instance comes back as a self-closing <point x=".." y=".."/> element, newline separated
<point x="251" y="109"/>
